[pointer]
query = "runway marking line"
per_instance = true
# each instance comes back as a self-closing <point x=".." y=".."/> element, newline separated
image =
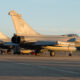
<point x="45" y="67"/>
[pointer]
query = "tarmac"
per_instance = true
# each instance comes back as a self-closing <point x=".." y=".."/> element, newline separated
<point x="23" y="67"/>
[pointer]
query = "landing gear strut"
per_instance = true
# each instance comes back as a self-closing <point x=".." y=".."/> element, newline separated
<point x="37" y="52"/>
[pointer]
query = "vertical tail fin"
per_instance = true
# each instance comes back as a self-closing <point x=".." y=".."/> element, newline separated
<point x="2" y="36"/>
<point x="22" y="28"/>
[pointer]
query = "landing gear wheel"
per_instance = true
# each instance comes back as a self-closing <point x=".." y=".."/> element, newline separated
<point x="70" y="54"/>
<point x="52" y="53"/>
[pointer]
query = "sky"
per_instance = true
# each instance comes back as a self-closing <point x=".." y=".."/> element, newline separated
<point x="49" y="17"/>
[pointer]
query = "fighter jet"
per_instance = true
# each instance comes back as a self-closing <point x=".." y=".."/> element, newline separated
<point x="29" y="39"/>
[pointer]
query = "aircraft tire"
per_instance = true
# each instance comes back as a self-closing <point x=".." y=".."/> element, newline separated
<point x="70" y="54"/>
<point x="52" y="53"/>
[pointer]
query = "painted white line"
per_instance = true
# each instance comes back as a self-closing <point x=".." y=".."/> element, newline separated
<point x="66" y="71"/>
<point x="27" y="64"/>
<point x="67" y="62"/>
<point x="50" y="68"/>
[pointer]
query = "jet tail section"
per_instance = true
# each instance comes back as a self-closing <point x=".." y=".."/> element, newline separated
<point x="22" y="28"/>
<point x="2" y="36"/>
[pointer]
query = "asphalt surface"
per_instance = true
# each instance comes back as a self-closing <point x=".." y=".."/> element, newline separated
<point x="17" y="67"/>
